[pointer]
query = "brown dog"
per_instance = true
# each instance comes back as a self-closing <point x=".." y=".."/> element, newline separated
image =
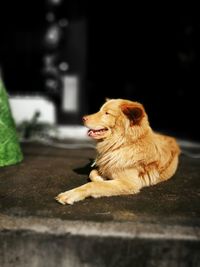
<point x="130" y="155"/>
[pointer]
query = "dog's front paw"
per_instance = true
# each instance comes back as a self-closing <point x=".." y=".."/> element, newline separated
<point x="95" y="177"/>
<point x="69" y="197"/>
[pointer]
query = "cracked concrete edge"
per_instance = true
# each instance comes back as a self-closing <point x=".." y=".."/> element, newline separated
<point x="130" y="230"/>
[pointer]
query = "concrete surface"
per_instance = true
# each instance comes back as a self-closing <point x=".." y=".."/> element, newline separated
<point x="158" y="227"/>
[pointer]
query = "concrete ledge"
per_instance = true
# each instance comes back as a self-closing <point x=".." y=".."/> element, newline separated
<point x="48" y="242"/>
<point x="128" y="230"/>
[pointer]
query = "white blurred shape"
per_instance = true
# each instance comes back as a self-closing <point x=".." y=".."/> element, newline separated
<point x="72" y="132"/>
<point x="70" y="93"/>
<point x="24" y="107"/>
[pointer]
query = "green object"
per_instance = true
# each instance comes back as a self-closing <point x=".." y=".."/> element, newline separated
<point x="10" y="151"/>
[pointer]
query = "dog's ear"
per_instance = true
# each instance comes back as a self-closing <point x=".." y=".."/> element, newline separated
<point x="135" y="113"/>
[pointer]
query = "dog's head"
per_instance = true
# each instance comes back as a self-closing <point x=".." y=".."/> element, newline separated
<point x="116" y="116"/>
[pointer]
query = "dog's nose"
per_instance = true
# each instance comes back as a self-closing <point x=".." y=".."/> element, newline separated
<point x="85" y="118"/>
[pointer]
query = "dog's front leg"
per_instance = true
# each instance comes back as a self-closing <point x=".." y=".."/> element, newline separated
<point x="95" y="176"/>
<point x="98" y="189"/>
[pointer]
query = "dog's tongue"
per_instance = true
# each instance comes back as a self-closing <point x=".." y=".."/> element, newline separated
<point x="94" y="133"/>
<point x="91" y="133"/>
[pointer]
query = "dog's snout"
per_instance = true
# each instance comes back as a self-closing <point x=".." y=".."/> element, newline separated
<point x="85" y="118"/>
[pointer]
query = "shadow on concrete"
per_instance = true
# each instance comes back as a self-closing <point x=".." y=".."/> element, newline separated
<point x="85" y="170"/>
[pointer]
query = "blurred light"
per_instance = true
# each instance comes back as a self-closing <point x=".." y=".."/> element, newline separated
<point x="53" y="35"/>
<point x="63" y="22"/>
<point x="48" y="60"/>
<point x="51" y="84"/>
<point x="55" y="2"/>
<point x="63" y="66"/>
<point x="49" y="65"/>
<point x="50" y="17"/>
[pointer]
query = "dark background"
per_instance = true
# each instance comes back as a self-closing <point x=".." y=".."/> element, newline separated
<point x="145" y="53"/>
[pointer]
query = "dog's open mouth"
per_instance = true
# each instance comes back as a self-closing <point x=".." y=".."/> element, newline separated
<point x="97" y="132"/>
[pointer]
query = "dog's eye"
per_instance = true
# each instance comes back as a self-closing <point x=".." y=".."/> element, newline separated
<point x="107" y="113"/>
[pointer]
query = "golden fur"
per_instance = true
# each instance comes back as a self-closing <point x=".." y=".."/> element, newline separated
<point x="129" y="154"/>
